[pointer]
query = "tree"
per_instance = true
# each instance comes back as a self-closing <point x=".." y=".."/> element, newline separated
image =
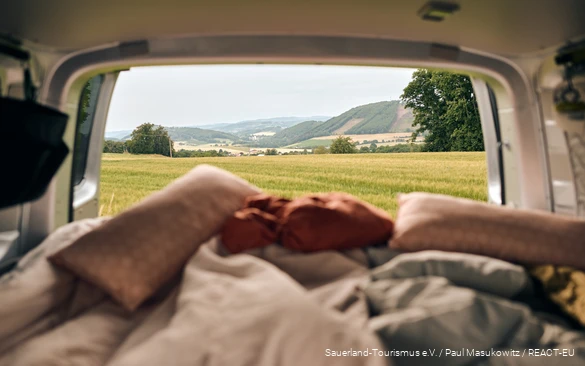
<point x="364" y="150"/>
<point x="343" y="145"/>
<point x="373" y="147"/>
<point x="200" y="153"/>
<point x="150" y="139"/>
<point x="271" y="152"/>
<point x="320" y="150"/>
<point x="400" y="148"/>
<point x="445" y="109"/>
<point x="117" y="147"/>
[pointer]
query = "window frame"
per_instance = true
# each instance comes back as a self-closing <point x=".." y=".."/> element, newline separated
<point x="81" y="145"/>
<point x="84" y="195"/>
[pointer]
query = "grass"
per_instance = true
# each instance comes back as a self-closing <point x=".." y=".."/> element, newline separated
<point x="375" y="178"/>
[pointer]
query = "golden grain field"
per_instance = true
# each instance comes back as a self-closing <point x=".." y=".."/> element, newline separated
<point x="375" y="178"/>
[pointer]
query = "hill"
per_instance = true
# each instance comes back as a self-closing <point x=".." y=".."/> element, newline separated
<point x="117" y="135"/>
<point x="404" y="120"/>
<point x="299" y="132"/>
<point x="368" y="119"/>
<point x="247" y="128"/>
<point x="191" y="135"/>
<point x="374" y="118"/>
<point x="195" y="135"/>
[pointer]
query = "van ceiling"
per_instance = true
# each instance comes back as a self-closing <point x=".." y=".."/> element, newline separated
<point x="505" y="27"/>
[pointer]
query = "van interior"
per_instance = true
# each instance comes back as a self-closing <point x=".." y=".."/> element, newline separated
<point x="491" y="283"/>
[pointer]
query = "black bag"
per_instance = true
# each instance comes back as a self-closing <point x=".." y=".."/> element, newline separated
<point x="31" y="149"/>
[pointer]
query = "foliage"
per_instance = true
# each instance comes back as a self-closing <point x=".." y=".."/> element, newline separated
<point x="320" y="150"/>
<point x="295" y="153"/>
<point x="117" y="147"/>
<point x="444" y="106"/>
<point x="271" y="152"/>
<point x="375" y="178"/>
<point x="364" y="149"/>
<point x="373" y="147"/>
<point x="343" y="145"/>
<point x="84" y="123"/>
<point x="150" y="139"/>
<point x="84" y="101"/>
<point x="200" y="135"/>
<point x="200" y="153"/>
<point x="400" y="148"/>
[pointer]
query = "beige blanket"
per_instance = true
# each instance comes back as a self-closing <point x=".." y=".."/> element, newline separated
<point x="267" y="307"/>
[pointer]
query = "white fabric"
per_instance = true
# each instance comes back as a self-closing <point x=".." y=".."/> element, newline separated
<point x="31" y="290"/>
<point x="236" y="310"/>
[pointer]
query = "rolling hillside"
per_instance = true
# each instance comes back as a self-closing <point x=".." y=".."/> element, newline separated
<point x="366" y="119"/>
<point x="276" y="124"/>
<point x="404" y="121"/>
<point x="117" y="135"/>
<point x="374" y="118"/>
<point x="191" y="135"/>
<point x="298" y="132"/>
<point x="196" y="135"/>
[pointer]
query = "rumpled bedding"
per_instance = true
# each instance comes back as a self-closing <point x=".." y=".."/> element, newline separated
<point x="276" y="306"/>
<point x="467" y="308"/>
<point x="270" y="307"/>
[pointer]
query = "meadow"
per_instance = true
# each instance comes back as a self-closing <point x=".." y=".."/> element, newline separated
<point x="375" y="178"/>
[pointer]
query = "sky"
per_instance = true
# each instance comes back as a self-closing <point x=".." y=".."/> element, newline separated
<point x="206" y="94"/>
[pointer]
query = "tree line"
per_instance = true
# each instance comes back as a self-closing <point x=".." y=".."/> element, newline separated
<point x="345" y="145"/>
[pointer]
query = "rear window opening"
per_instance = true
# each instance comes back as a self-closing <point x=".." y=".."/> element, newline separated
<point x="291" y="130"/>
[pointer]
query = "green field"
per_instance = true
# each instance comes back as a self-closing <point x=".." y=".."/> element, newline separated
<point x="375" y="178"/>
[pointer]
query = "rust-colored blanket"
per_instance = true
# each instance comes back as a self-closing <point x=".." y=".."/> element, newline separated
<point x="329" y="221"/>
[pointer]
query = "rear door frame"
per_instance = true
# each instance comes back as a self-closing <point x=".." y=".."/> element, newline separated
<point x="85" y="195"/>
<point x="492" y="140"/>
<point x="517" y="104"/>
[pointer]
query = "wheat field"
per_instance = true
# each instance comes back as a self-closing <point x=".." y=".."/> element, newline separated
<point x="375" y="178"/>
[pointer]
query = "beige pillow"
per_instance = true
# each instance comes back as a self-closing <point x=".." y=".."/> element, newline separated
<point x="135" y="253"/>
<point x="427" y="221"/>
